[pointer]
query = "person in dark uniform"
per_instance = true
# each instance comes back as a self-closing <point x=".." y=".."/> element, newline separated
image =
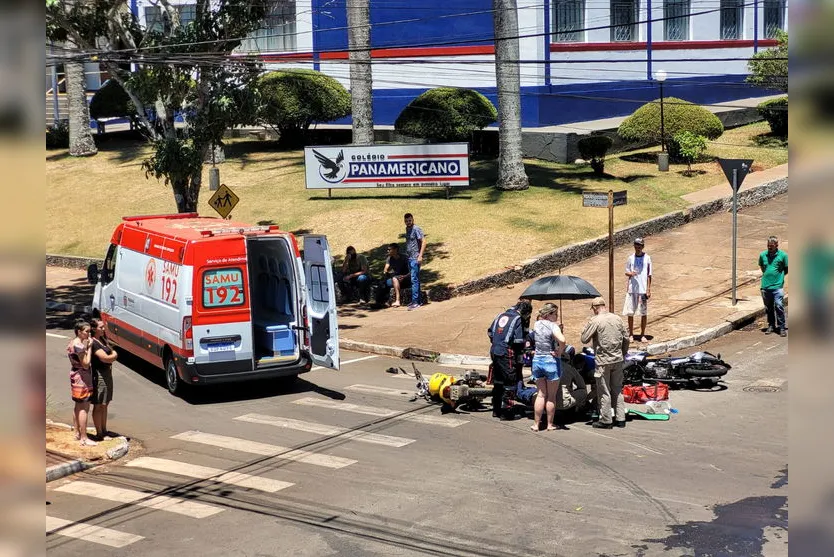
<point x="507" y="334"/>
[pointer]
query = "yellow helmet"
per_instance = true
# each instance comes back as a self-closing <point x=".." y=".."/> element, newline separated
<point x="437" y="382"/>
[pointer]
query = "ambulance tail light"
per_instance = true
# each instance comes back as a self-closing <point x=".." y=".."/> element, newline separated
<point x="187" y="334"/>
<point x="305" y="320"/>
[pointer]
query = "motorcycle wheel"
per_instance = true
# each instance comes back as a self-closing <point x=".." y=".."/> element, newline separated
<point x="698" y="372"/>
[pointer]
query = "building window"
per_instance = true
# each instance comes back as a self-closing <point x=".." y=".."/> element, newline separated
<point x="774" y="17"/>
<point x="676" y="20"/>
<point x="624" y="20"/>
<point x="732" y="19"/>
<point x="278" y="33"/>
<point x="568" y="21"/>
<point x="156" y="19"/>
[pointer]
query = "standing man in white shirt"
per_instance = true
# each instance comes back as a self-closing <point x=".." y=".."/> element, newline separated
<point x="639" y="289"/>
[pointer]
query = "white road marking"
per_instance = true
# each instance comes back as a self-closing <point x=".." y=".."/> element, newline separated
<point x="141" y="499"/>
<point x="263" y="449"/>
<point x="314" y="368"/>
<point x="373" y="389"/>
<point x="638" y="445"/>
<point x="322" y="429"/>
<point x="771" y="347"/>
<point x="206" y="473"/>
<point x="53" y="335"/>
<point x="89" y="532"/>
<point x="381" y="412"/>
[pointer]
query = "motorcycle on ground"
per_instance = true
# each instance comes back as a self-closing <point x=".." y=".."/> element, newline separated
<point x="698" y="370"/>
<point x="456" y="391"/>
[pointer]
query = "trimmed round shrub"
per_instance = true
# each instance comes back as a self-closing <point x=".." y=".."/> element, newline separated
<point x="593" y="149"/>
<point x="111" y="101"/>
<point x="446" y="114"/>
<point x="678" y="115"/>
<point x="291" y="100"/>
<point x="776" y="113"/>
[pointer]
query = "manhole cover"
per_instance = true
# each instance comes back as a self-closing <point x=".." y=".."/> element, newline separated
<point x="761" y="389"/>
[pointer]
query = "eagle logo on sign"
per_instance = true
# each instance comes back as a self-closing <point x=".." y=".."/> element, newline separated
<point x="331" y="170"/>
<point x="150" y="275"/>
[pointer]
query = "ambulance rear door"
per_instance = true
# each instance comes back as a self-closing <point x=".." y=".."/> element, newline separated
<point x="321" y="302"/>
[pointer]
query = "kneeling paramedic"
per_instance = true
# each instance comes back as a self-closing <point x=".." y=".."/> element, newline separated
<point x="507" y="335"/>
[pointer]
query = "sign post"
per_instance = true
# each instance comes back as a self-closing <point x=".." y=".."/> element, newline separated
<point x="735" y="170"/>
<point x="610" y="200"/>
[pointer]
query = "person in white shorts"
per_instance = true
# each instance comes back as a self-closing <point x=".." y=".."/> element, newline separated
<point x="639" y="289"/>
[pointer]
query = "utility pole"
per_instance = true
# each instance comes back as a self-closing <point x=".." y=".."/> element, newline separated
<point x="361" y="84"/>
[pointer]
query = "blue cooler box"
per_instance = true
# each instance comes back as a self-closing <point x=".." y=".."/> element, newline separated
<point x="280" y="338"/>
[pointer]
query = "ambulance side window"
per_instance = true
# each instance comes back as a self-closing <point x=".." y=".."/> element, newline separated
<point x="109" y="267"/>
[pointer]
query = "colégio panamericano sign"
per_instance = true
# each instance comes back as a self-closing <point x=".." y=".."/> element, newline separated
<point x="387" y="166"/>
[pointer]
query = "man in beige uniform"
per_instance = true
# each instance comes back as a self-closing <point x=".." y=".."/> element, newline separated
<point x="610" y="343"/>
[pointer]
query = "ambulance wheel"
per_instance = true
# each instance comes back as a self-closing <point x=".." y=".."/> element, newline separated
<point x="172" y="378"/>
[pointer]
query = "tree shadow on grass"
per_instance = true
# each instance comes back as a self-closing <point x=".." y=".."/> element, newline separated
<point x="770" y="140"/>
<point x="691" y="173"/>
<point x="643" y="158"/>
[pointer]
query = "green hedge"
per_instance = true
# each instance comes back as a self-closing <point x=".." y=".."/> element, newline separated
<point x="291" y="100"/>
<point x="776" y="113"/>
<point x="679" y="116"/>
<point x="593" y="149"/>
<point x="446" y="114"/>
<point x="57" y="135"/>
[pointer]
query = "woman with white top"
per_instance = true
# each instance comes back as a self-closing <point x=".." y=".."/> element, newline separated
<point x="549" y="344"/>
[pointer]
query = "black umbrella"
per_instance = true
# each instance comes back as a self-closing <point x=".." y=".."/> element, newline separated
<point x="560" y="287"/>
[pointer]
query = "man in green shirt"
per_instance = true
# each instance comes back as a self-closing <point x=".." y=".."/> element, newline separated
<point x="774" y="265"/>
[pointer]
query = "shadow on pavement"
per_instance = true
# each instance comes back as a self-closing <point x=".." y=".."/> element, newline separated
<point x="77" y="291"/>
<point x="737" y="529"/>
<point x="226" y="392"/>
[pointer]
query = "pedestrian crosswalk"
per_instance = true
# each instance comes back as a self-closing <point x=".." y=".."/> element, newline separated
<point x="207" y="473"/>
<point x="257" y="434"/>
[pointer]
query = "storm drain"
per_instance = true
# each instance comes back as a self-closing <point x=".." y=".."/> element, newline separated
<point x="761" y="389"/>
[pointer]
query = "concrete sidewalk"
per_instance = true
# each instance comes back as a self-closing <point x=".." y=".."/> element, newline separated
<point x="691" y="288"/>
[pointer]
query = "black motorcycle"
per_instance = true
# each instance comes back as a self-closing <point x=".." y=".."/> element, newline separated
<point x="698" y="370"/>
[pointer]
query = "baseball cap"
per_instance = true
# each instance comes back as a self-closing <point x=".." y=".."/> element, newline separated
<point x="598" y="301"/>
<point x="639" y="241"/>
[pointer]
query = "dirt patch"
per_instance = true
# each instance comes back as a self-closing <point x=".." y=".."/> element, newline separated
<point x="62" y="441"/>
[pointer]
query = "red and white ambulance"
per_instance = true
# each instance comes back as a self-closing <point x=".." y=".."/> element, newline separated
<point x="210" y="300"/>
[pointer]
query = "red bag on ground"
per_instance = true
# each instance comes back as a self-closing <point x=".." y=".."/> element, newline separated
<point x="641" y="394"/>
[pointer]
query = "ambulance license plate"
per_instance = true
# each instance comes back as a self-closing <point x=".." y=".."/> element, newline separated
<point x="224" y="347"/>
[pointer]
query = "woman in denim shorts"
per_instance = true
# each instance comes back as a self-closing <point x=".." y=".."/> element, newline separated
<point x="546" y="367"/>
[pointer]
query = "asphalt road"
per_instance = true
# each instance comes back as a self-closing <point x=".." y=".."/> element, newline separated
<point x="255" y="470"/>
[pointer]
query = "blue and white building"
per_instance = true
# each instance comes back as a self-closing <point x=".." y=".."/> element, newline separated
<point x="580" y="59"/>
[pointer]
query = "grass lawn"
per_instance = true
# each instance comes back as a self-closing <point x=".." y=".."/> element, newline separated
<point x="480" y="230"/>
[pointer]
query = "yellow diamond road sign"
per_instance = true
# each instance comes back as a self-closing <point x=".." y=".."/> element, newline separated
<point x="224" y="200"/>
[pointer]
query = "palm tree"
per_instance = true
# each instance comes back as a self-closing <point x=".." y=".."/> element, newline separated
<point x="81" y="142"/>
<point x="511" y="173"/>
<point x="361" y="85"/>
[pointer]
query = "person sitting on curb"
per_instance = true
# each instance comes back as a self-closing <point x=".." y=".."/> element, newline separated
<point x="400" y="275"/>
<point x="355" y="276"/>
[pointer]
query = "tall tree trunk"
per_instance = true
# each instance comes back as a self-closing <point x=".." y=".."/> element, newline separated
<point x="81" y="142"/>
<point x="511" y="173"/>
<point x="361" y="85"/>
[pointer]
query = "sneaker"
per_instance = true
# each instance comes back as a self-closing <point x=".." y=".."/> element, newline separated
<point x="413" y="306"/>
<point x="768" y="330"/>
<point x="618" y="423"/>
<point x="601" y="425"/>
<point x="783" y="333"/>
